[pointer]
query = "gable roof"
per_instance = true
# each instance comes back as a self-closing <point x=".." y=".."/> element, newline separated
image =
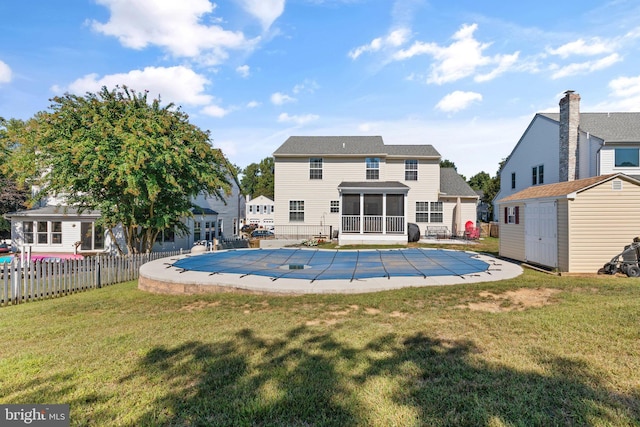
<point x="610" y="127"/>
<point x="452" y="184"/>
<point x="563" y="188"/>
<point x="69" y="212"/>
<point x="350" y="146"/>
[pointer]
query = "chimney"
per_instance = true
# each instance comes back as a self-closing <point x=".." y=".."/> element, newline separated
<point x="569" y="123"/>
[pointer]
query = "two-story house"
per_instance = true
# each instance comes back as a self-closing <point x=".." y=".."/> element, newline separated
<point x="569" y="197"/>
<point x="570" y="145"/>
<point x="260" y="212"/>
<point x="367" y="191"/>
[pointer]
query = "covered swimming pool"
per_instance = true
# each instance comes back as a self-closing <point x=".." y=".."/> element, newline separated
<point x="321" y="264"/>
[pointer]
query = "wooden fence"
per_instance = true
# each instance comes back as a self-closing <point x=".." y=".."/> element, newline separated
<point x="37" y="280"/>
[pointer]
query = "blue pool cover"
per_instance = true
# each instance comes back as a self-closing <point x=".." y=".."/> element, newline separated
<point x="322" y="264"/>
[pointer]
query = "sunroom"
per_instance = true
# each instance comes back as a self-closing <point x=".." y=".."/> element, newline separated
<point x="373" y="213"/>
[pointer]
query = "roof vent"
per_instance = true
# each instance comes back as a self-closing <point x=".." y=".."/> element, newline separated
<point x="616" y="184"/>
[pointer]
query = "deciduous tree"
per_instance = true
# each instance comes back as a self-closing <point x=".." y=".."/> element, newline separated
<point x="137" y="162"/>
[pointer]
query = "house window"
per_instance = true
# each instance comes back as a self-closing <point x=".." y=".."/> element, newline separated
<point x="429" y="212"/>
<point x="626" y="157"/>
<point x="335" y="206"/>
<point x="296" y="210"/>
<point x="537" y="175"/>
<point x="250" y="208"/>
<point x="436" y="214"/>
<point x="43" y="232"/>
<point x="166" y="236"/>
<point x="27" y="231"/>
<point x="513" y="180"/>
<point x="56" y="232"/>
<point x="272" y="208"/>
<point x="315" y="168"/>
<point x="422" y="211"/>
<point x="373" y="167"/>
<point x="197" y="231"/>
<point x="220" y="227"/>
<point x="92" y="236"/>
<point x="410" y="170"/>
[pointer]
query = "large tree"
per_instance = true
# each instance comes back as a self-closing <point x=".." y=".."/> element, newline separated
<point x="137" y="162"/>
<point x="12" y="196"/>
<point x="257" y="179"/>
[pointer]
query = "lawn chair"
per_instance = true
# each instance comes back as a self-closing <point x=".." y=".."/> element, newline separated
<point x="471" y="232"/>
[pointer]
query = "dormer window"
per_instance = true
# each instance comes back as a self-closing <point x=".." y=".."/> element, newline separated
<point x="373" y="167"/>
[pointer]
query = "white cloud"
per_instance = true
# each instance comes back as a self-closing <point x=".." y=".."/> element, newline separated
<point x="462" y="58"/>
<point x="5" y="73"/>
<point x="457" y="101"/>
<point x="214" y="111"/>
<point x="579" y="47"/>
<point x="586" y="67"/>
<point x="394" y="39"/>
<point x="266" y="11"/>
<point x="308" y="86"/>
<point x="179" y="85"/>
<point x="299" y="120"/>
<point x="175" y="26"/>
<point x="625" y="95"/>
<point x="243" y="70"/>
<point x="253" y="104"/>
<point x="279" y="98"/>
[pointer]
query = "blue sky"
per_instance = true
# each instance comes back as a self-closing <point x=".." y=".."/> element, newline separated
<point x="465" y="76"/>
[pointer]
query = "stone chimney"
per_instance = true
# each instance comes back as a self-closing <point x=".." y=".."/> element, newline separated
<point x="569" y="123"/>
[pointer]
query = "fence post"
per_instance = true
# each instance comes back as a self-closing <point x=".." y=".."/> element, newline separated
<point x="98" y="283"/>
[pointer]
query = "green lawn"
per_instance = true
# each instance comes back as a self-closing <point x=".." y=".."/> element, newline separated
<point x="537" y="350"/>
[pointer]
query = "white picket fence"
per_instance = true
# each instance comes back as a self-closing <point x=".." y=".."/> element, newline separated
<point x="37" y="280"/>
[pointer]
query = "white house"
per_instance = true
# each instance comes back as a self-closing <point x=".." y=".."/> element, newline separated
<point x="260" y="211"/>
<point x="55" y="228"/>
<point x="365" y="191"/>
<point x="570" y="145"/>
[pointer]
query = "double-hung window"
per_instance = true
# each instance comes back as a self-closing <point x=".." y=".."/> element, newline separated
<point x="422" y="211"/>
<point x="410" y="170"/>
<point x="296" y="210"/>
<point x="315" y="168"/>
<point x="373" y="167"/>
<point x="335" y="206"/>
<point x="431" y="212"/>
<point x="537" y="175"/>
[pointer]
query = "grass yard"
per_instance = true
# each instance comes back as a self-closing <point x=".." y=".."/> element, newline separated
<point x="538" y="350"/>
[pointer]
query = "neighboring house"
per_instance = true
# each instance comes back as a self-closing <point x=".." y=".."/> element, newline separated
<point x="573" y="226"/>
<point x="57" y="228"/>
<point x="366" y="191"/>
<point x="483" y="208"/>
<point x="260" y="211"/>
<point x="570" y="145"/>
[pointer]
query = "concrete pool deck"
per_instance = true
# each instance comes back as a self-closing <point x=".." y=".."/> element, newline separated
<point x="161" y="276"/>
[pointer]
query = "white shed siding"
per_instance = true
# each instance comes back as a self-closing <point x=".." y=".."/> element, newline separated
<point x="602" y="222"/>
<point x="511" y="243"/>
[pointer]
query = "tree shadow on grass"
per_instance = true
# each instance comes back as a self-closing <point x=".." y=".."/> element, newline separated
<point x="306" y="378"/>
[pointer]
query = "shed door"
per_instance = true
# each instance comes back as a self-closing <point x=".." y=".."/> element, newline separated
<point x="540" y="233"/>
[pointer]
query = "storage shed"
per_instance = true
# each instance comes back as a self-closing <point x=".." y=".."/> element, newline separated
<point x="574" y="226"/>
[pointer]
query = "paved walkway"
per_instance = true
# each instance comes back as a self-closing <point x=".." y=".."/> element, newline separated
<point x="161" y="277"/>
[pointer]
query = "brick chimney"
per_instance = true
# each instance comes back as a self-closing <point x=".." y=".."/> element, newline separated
<point x="569" y="123"/>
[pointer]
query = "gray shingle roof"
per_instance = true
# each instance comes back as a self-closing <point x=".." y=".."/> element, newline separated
<point x="54" y="211"/>
<point x="350" y="146"/>
<point x="610" y="127"/>
<point x="452" y="184"/>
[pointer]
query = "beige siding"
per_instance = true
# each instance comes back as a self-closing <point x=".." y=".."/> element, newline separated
<point x="563" y="234"/>
<point x="602" y="222"/>
<point x="292" y="183"/>
<point x="512" y="235"/>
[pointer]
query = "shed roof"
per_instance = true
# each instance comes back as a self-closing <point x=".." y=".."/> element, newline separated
<point x="350" y="146"/>
<point x="563" y="188"/>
